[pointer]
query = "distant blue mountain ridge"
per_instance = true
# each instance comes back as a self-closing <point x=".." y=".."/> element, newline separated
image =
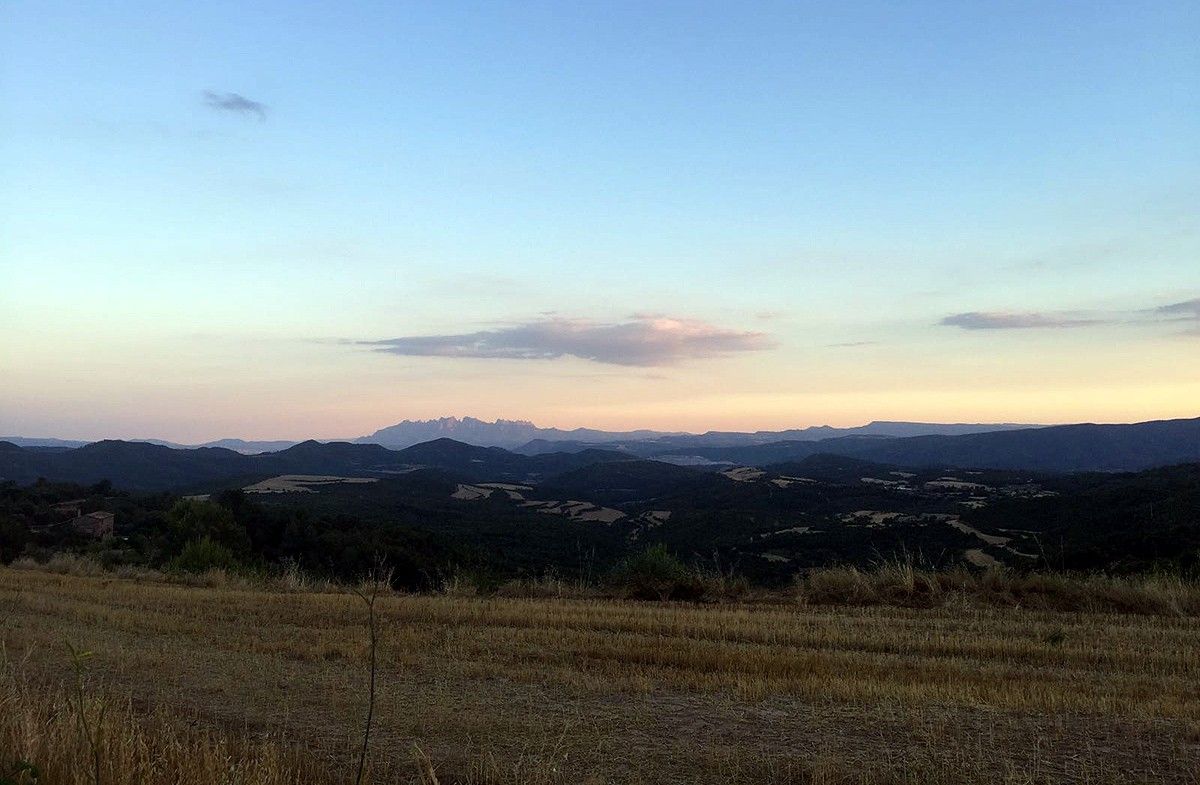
<point x="514" y="434"/>
<point x="1054" y="449"/>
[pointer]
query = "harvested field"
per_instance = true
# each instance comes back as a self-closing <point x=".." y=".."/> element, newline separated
<point x="598" y="690"/>
<point x="302" y="483"/>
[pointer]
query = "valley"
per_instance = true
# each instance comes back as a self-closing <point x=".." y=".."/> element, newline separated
<point x="502" y="514"/>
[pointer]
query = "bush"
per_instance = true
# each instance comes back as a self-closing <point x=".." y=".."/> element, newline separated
<point x="548" y="586"/>
<point x="203" y="555"/>
<point x="192" y="519"/>
<point x="459" y="584"/>
<point x="899" y="583"/>
<point x="61" y="564"/>
<point x="655" y="574"/>
<point x="14" y="536"/>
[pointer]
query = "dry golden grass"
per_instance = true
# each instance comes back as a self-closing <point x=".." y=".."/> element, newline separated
<point x="902" y="583"/>
<point x="271" y="684"/>
<point x="40" y="727"/>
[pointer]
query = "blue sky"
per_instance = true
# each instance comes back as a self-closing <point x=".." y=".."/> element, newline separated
<point x="621" y="214"/>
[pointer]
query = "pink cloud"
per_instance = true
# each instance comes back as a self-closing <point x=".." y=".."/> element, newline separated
<point x="643" y="340"/>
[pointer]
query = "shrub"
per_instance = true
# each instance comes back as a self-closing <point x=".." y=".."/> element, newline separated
<point x="61" y="564"/>
<point x="290" y="577"/>
<point x="655" y="574"/>
<point x="720" y="583"/>
<point x="192" y="519"/>
<point x="203" y="555"/>
<point x="459" y="584"/>
<point x="549" y="586"/>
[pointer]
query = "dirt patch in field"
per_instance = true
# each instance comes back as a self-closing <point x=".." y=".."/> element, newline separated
<point x="744" y="474"/>
<point x="471" y="492"/>
<point x="977" y="557"/>
<point x="302" y="483"/>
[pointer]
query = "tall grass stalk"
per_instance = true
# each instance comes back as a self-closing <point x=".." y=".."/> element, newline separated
<point x="93" y="732"/>
<point x="369" y="593"/>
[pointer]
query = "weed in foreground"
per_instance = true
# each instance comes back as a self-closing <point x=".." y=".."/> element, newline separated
<point x="378" y="580"/>
<point x="92" y="728"/>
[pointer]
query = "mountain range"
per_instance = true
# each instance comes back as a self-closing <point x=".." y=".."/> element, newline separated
<point x="526" y="437"/>
<point x="153" y="467"/>
<point x="500" y="433"/>
<point x="1060" y="449"/>
<point x="245" y="446"/>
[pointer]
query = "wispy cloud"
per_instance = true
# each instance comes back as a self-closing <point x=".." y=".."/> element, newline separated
<point x="235" y="104"/>
<point x="643" y="340"/>
<point x="850" y="344"/>
<point x="1187" y="311"/>
<point x="1011" y="320"/>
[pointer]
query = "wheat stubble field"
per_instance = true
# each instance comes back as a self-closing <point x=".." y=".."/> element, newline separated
<point x="237" y="684"/>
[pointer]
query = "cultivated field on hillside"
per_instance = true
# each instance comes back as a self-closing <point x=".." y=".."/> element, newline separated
<point x="237" y="684"/>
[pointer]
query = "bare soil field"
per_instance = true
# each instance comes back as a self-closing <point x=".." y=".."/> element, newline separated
<point x="302" y="483"/>
<point x="231" y="683"/>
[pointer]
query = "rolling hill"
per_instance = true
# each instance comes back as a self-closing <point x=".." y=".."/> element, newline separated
<point x="1059" y="448"/>
<point x="150" y="467"/>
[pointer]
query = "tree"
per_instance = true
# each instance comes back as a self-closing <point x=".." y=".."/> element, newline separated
<point x="13" y="536"/>
<point x="191" y="520"/>
<point x="202" y="555"/>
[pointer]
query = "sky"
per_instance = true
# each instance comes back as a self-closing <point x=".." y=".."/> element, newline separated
<point x="291" y="220"/>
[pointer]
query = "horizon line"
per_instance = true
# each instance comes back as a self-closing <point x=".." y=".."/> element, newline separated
<point x="1007" y="424"/>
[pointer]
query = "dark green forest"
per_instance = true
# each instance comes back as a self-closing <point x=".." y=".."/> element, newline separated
<point x="766" y="530"/>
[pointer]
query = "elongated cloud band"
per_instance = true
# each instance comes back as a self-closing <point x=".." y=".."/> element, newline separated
<point x="1187" y="311"/>
<point x="1008" y="320"/>
<point x="644" y="340"/>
